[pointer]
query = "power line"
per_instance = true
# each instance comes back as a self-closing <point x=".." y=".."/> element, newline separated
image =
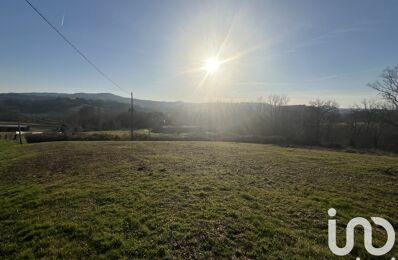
<point x="75" y="48"/>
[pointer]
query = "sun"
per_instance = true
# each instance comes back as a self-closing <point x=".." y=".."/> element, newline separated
<point x="212" y="65"/>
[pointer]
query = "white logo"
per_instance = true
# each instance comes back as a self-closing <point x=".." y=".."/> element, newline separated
<point x="341" y="251"/>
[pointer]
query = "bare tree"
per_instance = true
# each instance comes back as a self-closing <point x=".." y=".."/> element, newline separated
<point x="373" y="118"/>
<point x="355" y="125"/>
<point x="276" y="102"/>
<point x="322" y="110"/>
<point x="260" y="106"/>
<point x="388" y="88"/>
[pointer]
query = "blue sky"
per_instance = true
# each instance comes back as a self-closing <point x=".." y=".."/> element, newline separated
<point x="304" y="49"/>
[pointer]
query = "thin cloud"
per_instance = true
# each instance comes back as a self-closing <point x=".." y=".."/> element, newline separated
<point x="363" y="26"/>
<point x="342" y="75"/>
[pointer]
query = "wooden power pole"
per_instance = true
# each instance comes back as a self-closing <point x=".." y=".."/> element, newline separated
<point x="131" y="117"/>
<point x="19" y="130"/>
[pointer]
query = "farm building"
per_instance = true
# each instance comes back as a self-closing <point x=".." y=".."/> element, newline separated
<point x="13" y="128"/>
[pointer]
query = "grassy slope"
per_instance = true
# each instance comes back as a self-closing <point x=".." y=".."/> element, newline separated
<point x="185" y="199"/>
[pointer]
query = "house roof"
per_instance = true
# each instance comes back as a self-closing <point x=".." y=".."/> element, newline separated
<point x="11" y="126"/>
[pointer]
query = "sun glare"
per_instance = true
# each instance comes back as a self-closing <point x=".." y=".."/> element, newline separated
<point x="211" y="65"/>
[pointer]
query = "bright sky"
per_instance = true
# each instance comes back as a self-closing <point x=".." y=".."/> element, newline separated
<point x="304" y="49"/>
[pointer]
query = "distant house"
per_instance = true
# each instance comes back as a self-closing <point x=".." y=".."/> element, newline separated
<point x="13" y="128"/>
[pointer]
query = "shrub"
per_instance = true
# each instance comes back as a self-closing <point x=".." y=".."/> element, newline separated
<point x="52" y="137"/>
<point x="49" y="137"/>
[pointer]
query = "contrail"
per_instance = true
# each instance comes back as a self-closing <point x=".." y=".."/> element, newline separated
<point x="62" y="21"/>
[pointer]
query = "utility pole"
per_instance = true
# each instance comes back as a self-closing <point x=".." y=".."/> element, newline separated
<point x="131" y="118"/>
<point x="19" y="130"/>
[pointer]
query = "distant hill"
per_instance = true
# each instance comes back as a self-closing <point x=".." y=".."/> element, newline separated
<point x="80" y="110"/>
<point x="147" y="105"/>
<point x="61" y="106"/>
<point x="144" y="104"/>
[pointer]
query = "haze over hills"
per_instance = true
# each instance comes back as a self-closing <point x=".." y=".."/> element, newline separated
<point x="144" y="104"/>
<point x="147" y="105"/>
<point x="113" y="109"/>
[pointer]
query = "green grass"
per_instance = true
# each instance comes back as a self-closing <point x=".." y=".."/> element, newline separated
<point x="186" y="199"/>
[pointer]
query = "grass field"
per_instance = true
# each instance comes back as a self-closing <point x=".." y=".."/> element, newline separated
<point x="186" y="199"/>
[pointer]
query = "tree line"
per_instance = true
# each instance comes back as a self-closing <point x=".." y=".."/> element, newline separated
<point x="369" y="124"/>
<point x="76" y="114"/>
